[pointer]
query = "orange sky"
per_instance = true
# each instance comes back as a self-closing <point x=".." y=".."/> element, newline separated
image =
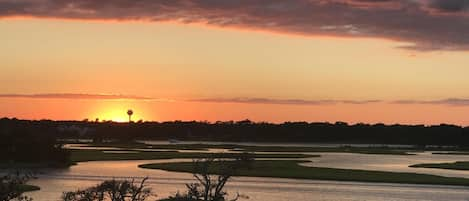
<point x="164" y="111"/>
<point x="179" y="63"/>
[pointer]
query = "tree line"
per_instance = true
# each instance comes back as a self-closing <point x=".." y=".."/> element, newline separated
<point x="239" y="131"/>
<point x="31" y="142"/>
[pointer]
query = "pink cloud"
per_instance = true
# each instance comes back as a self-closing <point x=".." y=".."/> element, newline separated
<point x="410" y="21"/>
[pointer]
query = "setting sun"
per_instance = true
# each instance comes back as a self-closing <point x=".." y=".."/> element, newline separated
<point x="114" y="115"/>
<point x="117" y="112"/>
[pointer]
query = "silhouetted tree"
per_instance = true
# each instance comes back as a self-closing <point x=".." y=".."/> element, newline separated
<point x="211" y="175"/>
<point x="113" y="190"/>
<point x="12" y="187"/>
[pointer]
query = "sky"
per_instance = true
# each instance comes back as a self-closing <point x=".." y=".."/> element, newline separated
<point x="390" y="61"/>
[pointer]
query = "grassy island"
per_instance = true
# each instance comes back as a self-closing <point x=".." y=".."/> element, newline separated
<point x="292" y="169"/>
<point x="459" y="165"/>
<point x="99" y="155"/>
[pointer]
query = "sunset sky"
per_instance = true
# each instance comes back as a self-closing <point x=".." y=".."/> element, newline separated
<point x="391" y="61"/>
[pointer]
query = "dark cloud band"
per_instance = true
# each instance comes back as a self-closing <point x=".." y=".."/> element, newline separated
<point x="450" y="5"/>
<point x="426" y="24"/>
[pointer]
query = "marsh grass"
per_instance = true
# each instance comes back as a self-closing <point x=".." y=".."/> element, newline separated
<point x="458" y="165"/>
<point x="292" y="169"/>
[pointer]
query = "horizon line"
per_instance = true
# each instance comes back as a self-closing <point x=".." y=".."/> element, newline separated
<point x="87" y="120"/>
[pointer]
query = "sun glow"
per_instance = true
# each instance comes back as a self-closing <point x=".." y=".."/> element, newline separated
<point x="117" y="112"/>
<point x="116" y="115"/>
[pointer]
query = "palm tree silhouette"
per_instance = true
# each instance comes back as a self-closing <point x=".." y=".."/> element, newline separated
<point x="130" y="113"/>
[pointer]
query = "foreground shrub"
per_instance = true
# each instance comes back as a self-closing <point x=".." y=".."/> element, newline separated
<point x="211" y="187"/>
<point x="113" y="190"/>
<point x="12" y="187"/>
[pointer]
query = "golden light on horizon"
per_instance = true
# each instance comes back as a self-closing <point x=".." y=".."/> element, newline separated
<point x="116" y="112"/>
<point x="114" y="115"/>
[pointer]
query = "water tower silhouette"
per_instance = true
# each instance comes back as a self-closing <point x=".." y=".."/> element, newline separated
<point x="130" y="113"/>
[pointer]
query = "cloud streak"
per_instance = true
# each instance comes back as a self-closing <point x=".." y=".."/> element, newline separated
<point x="449" y="101"/>
<point x="281" y="101"/>
<point x="83" y="96"/>
<point x="427" y="24"/>
<point x="76" y="96"/>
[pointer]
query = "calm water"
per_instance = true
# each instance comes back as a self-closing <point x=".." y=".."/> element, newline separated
<point x="395" y="163"/>
<point x="54" y="182"/>
<point x="293" y="144"/>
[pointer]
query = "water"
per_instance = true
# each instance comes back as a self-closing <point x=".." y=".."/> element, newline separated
<point x="284" y="144"/>
<point x="392" y="163"/>
<point x="164" y="183"/>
